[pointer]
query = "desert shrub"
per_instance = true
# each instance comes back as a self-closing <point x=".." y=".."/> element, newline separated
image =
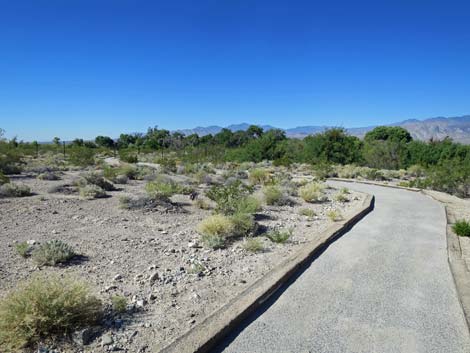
<point x="259" y="176"/>
<point x="372" y="174"/>
<point x="312" y="192"/>
<point x="334" y="215"/>
<point x="23" y="249"/>
<point x="253" y="245"/>
<point x="14" y="190"/>
<point x="307" y="212"/>
<point x="167" y="164"/>
<point x="52" y="252"/>
<point x="348" y="171"/>
<point x="81" y="156"/>
<point x="248" y="204"/>
<point x="228" y="197"/>
<point x="48" y="176"/>
<point x="202" y="177"/>
<point x="3" y="179"/>
<point x="63" y="189"/>
<point x="128" y="157"/>
<point x="144" y="202"/>
<point x="98" y="180"/>
<point x="119" y="303"/>
<point x="405" y="184"/>
<point x="462" y="228"/>
<point x="165" y="188"/>
<point x="243" y="224"/>
<point x="273" y="195"/>
<point x="215" y="229"/>
<point x="341" y="197"/>
<point x="44" y="308"/>
<point x="279" y="236"/>
<point x="89" y="192"/>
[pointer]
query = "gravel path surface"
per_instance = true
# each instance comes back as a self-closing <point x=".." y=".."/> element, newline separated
<point x="384" y="287"/>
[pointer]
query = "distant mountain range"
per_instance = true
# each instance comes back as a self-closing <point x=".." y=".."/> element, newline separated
<point x="457" y="128"/>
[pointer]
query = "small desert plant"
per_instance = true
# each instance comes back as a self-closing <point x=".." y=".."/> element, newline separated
<point x="98" y="180"/>
<point x="45" y="308"/>
<point x="462" y="228"/>
<point x="48" y="176"/>
<point x="307" y="212"/>
<point x="14" y="190"/>
<point x="312" y="192"/>
<point x="52" y="253"/>
<point x="248" y="204"/>
<point x="253" y="245"/>
<point x="215" y="229"/>
<point x="243" y="224"/>
<point x="119" y="303"/>
<point x="260" y="176"/>
<point x="273" y="195"/>
<point x="23" y="249"/>
<point x="165" y="188"/>
<point x="279" y="236"/>
<point x="229" y="197"/>
<point x="89" y="192"/>
<point x="341" y="197"/>
<point x="334" y="215"/>
<point x="121" y="179"/>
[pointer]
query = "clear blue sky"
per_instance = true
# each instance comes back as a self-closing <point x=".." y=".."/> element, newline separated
<point x="80" y="68"/>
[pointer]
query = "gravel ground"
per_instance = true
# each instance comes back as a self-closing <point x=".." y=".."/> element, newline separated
<point x="146" y="256"/>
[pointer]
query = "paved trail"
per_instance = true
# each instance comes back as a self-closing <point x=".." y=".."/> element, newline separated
<point x="383" y="287"/>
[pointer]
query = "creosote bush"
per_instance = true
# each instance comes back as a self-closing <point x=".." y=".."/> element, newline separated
<point x="279" y="236"/>
<point x="14" y="190"/>
<point x="462" y="228"/>
<point x="98" y="180"/>
<point x="45" y="308"/>
<point x="248" y="204"/>
<point x="3" y="179"/>
<point x="229" y="197"/>
<point x="312" y="192"/>
<point x="52" y="253"/>
<point x="48" y="176"/>
<point x="89" y="192"/>
<point x="162" y="188"/>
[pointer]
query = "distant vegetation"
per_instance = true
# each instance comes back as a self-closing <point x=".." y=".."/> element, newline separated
<point x="441" y="165"/>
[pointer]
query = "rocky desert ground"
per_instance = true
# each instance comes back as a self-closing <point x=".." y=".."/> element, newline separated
<point x="153" y="256"/>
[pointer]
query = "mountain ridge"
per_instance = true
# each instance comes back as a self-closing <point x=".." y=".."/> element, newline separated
<point x="457" y="128"/>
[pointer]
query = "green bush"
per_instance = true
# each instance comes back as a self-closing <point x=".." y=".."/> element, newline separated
<point x="215" y="229"/>
<point x="81" y="156"/>
<point x="166" y="188"/>
<point x="119" y="303"/>
<point x="229" y="198"/>
<point x="48" y="176"/>
<point x="462" y="228"/>
<point x="89" y="192"/>
<point x="312" y="192"/>
<point x="243" y="224"/>
<point x="14" y="190"/>
<point x="260" y="176"/>
<point x="248" y="204"/>
<point x="98" y="180"/>
<point x="253" y="245"/>
<point x="52" y="253"/>
<point x="23" y="249"/>
<point x="279" y="236"/>
<point x="341" y="197"/>
<point x="45" y="308"/>
<point x="273" y="195"/>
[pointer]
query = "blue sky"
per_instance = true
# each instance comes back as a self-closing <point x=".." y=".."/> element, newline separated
<point x="89" y="67"/>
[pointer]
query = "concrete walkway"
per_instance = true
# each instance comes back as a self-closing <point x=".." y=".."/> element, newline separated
<point x="383" y="287"/>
